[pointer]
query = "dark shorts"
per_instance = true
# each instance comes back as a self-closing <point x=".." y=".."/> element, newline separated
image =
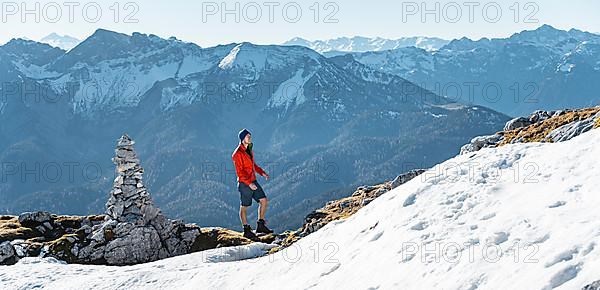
<point x="247" y="194"/>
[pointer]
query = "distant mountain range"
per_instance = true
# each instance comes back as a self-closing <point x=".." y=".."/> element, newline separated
<point x="65" y="42"/>
<point x="337" y="46"/>
<point x="321" y="125"/>
<point x="546" y="68"/>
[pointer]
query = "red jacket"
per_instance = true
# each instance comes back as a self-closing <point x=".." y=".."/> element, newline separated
<point x="245" y="167"/>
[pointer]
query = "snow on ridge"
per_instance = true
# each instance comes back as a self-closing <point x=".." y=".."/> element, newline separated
<point x="121" y="82"/>
<point x="228" y="61"/>
<point x="245" y="55"/>
<point x="185" y="94"/>
<point x="290" y="92"/>
<point x="35" y="71"/>
<point x="533" y="203"/>
<point x="112" y="86"/>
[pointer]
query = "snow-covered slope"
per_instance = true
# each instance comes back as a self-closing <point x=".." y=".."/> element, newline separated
<point x="521" y="216"/>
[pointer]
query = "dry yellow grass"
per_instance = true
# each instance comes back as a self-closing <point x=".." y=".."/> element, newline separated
<point x="211" y="238"/>
<point x="537" y="132"/>
<point x="346" y="207"/>
<point x="62" y="247"/>
<point x="11" y="229"/>
<point x="597" y="124"/>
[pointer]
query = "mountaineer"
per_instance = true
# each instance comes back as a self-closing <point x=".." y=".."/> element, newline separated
<point x="245" y="168"/>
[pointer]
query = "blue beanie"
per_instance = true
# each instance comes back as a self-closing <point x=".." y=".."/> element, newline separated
<point x="243" y="134"/>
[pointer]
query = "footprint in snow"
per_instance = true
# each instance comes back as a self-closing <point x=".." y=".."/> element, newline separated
<point x="563" y="257"/>
<point x="406" y="257"/>
<point x="472" y="242"/>
<point x="499" y="238"/>
<point x="488" y="216"/>
<point x="557" y="204"/>
<point x="542" y="239"/>
<point x="410" y="200"/>
<point x="475" y="284"/>
<point x="589" y="248"/>
<point x="376" y="236"/>
<point x="419" y="226"/>
<point x="331" y="270"/>
<point x="563" y="276"/>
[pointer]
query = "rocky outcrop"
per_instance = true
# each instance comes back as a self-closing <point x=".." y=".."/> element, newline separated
<point x="67" y="231"/>
<point x="540" y="126"/>
<point x="35" y="219"/>
<point x="592" y="286"/>
<point x="535" y="117"/>
<point x="570" y="130"/>
<point x="561" y="126"/>
<point x="517" y="123"/>
<point x="7" y="254"/>
<point x="480" y="142"/>
<point x="29" y="232"/>
<point x="406" y="177"/>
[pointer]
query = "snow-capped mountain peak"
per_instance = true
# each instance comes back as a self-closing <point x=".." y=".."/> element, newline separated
<point x="363" y="44"/>
<point x="65" y="42"/>
<point x="555" y="66"/>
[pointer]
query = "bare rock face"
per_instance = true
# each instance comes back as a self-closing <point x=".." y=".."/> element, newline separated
<point x="34" y="219"/>
<point x="517" y="123"/>
<point x="480" y="142"/>
<point x="571" y="130"/>
<point x="406" y="177"/>
<point x="540" y="126"/>
<point x="7" y="254"/>
<point x="592" y="286"/>
<point x="134" y="230"/>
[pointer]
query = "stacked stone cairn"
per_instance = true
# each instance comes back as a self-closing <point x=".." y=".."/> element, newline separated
<point x="134" y="230"/>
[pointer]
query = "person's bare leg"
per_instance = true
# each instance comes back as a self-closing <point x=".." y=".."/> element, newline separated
<point x="243" y="217"/>
<point x="262" y="208"/>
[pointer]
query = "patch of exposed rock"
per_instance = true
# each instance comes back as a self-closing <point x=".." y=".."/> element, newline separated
<point x="31" y="234"/>
<point x="540" y="126"/>
<point x="592" y="286"/>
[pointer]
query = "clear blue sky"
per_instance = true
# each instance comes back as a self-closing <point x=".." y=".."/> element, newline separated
<point x="184" y="19"/>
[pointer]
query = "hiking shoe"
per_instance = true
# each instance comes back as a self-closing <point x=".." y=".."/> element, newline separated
<point x="261" y="227"/>
<point x="249" y="234"/>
